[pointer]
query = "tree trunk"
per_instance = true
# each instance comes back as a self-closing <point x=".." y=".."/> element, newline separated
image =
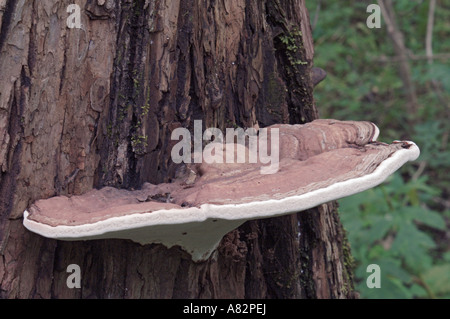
<point x="86" y="107"/>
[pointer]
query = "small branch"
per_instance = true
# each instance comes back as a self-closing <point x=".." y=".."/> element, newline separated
<point x="390" y="23"/>
<point x="420" y="170"/>
<point x="420" y="281"/>
<point x="413" y="57"/>
<point x="396" y="36"/>
<point x="429" y="36"/>
<point x="429" y="49"/>
<point x="316" y="15"/>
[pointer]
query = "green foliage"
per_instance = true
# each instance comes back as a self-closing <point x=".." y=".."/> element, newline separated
<point x="402" y="225"/>
<point x="390" y="227"/>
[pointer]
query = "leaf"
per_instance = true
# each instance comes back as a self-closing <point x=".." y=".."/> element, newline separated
<point x="438" y="279"/>
<point x="353" y="203"/>
<point x="393" y="279"/>
<point x="378" y="253"/>
<point x="378" y="229"/>
<point x="389" y="267"/>
<point x="391" y="288"/>
<point x="427" y="217"/>
<point x="446" y="256"/>
<point x="392" y="268"/>
<point x="418" y="291"/>
<point x="440" y="72"/>
<point x="412" y="245"/>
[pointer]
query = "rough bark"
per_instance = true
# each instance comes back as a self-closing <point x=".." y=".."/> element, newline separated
<point x="84" y="108"/>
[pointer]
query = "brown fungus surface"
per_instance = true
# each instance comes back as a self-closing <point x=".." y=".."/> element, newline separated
<point x="318" y="162"/>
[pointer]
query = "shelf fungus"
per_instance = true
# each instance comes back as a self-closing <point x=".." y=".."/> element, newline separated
<point x="318" y="162"/>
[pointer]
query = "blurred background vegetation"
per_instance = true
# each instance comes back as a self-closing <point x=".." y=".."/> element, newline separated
<point x="397" y="76"/>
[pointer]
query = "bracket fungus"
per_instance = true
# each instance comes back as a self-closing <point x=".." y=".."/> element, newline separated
<point x="319" y="162"/>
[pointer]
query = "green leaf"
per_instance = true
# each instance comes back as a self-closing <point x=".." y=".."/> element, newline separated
<point x="446" y="256"/>
<point x="378" y="229"/>
<point x="440" y="72"/>
<point x="418" y="291"/>
<point x="438" y="279"/>
<point x="391" y="288"/>
<point x="393" y="279"/>
<point x="392" y="268"/>
<point x="427" y="217"/>
<point x="377" y="253"/>
<point x="412" y="245"/>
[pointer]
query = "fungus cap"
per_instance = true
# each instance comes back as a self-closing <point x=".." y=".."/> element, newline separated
<point x="318" y="162"/>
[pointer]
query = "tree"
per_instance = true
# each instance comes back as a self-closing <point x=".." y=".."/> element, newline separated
<point x="93" y="106"/>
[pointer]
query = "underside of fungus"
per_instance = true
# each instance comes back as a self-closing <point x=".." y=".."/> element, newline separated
<point x="318" y="162"/>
